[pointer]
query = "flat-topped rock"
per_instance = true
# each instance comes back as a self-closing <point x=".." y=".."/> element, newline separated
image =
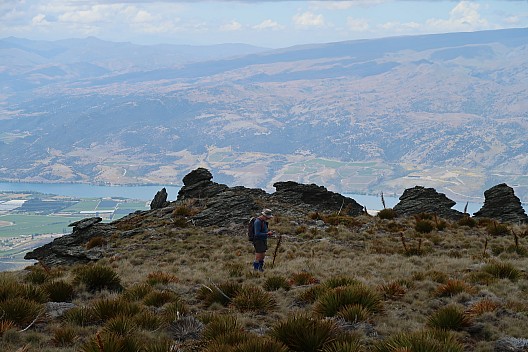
<point x="419" y="200"/>
<point x="318" y="197"/>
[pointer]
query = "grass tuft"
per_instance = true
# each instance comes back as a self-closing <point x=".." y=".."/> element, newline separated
<point x="80" y="316"/>
<point x="59" y="291"/>
<point x="305" y="334"/>
<point x="387" y="213"/>
<point x="160" y="277"/>
<point x="452" y="288"/>
<point x="354" y="313"/>
<point x="65" y="336"/>
<point x="105" y="309"/>
<point x="426" y="341"/>
<point x="502" y="270"/>
<point x="97" y="241"/>
<point x="331" y="302"/>
<point x="253" y="298"/>
<point x="159" y="298"/>
<point x="483" y="306"/>
<point x="222" y="293"/>
<point x="302" y="278"/>
<point x="274" y="283"/>
<point x="450" y="317"/>
<point x="98" y="277"/>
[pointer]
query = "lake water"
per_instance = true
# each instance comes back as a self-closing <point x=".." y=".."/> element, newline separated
<point x="372" y="202"/>
<point x="82" y="190"/>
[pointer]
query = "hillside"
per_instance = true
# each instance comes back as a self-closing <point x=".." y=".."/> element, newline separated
<point x="445" y="111"/>
<point x="169" y="279"/>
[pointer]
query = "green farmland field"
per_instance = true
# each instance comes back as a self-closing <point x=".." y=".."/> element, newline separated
<point x="83" y="205"/>
<point x="35" y="224"/>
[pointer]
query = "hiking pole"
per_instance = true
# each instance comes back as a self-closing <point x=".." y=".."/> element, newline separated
<point x="276" y="251"/>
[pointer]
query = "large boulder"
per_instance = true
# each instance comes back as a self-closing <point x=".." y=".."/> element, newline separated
<point x="198" y="184"/>
<point x="501" y="203"/>
<point x="419" y="200"/>
<point x="316" y="198"/>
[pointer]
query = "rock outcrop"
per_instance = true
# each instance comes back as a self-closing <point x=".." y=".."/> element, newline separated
<point x="71" y="249"/>
<point x="419" y="200"/>
<point x="160" y="199"/>
<point x="501" y="203"/>
<point x="315" y="198"/>
<point x="225" y="208"/>
<point x="198" y="184"/>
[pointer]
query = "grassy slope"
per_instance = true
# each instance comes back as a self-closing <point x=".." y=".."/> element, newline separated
<point x="411" y="287"/>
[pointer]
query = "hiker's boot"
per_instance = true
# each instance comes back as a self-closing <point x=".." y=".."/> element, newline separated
<point x="261" y="265"/>
<point x="256" y="266"/>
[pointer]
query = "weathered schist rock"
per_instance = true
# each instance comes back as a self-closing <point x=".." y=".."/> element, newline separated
<point x="198" y="184"/>
<point x="230" y="207"/>
<point x="71" y="249"/>
<point x="317" y="198"/>
<point x="419" y="200"/>
<point x="501" y="203"/>
<point x="227" y="209"/>
<point x="160" y="199"/>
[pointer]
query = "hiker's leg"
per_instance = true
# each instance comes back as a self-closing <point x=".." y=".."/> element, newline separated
<point x="260" y="254"/>
<point x="259" y="261"/>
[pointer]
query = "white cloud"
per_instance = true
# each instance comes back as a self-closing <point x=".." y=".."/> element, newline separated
<point x="308" y="19"/>
<point x="143" y="16"/>
<point x="39" y="20"/>
<point x="357" y="24"/>
<point x="464" y="16"/>
<point x="268" y="24"/>
<point x="93" y="14"/>
<point x="344" y="5"/>
<point x="512" y="19"/>
<point x="231" y="26"/>
<point x="399" y="27"/>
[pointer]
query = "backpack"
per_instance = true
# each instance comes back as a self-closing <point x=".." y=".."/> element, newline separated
<point x="251" y="228"/>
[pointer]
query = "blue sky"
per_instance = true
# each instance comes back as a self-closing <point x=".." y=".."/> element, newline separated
<point x="264" y="23"/>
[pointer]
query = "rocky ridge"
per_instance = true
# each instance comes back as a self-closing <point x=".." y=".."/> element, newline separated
<point x="227" y="209"/>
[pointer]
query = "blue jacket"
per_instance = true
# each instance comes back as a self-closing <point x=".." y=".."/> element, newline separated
<point x="261" y="229"/>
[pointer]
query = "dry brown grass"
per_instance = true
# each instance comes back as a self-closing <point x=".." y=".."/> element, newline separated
<point x="180" y="261"/>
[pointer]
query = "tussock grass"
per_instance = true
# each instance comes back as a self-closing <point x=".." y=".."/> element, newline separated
<point x="303" y="333"/>
<point x="179" y="288"/>
<point x="450" y="317"/>
<point x="98" y="277"/>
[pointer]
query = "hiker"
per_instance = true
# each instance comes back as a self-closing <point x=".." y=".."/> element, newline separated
<point x="261" y="234"/>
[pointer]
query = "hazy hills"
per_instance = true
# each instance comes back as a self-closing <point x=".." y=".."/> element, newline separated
<point x="448" y="111"/>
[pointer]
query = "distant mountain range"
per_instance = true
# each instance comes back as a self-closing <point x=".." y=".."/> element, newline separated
<point x="448" y="111"/>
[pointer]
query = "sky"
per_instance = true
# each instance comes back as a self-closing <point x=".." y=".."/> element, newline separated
<point x="272" y="23"/>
